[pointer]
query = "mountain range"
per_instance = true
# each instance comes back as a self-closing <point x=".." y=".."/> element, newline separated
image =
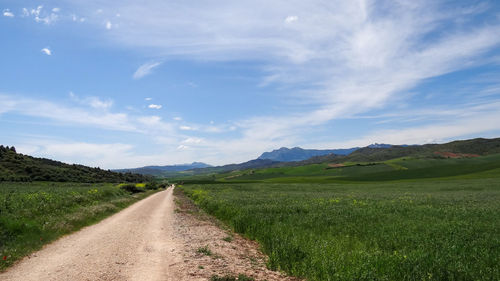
<point x="285" y="154"/>
<point x="372" y="153"/>
<point x="18" y="167"/>
<point x="164" y="170"/>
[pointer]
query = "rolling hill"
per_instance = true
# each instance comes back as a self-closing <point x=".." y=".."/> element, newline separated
<point x="164" y="170"/>
<point x="18" y="167"/>
<point x="404" y="162"/>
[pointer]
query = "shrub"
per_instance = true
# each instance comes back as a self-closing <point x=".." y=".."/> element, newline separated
<point x="132" y="188"/>
<point x="151" y="186"/>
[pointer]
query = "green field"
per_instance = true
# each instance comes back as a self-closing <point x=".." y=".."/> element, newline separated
<point x="390" y="170"/>
<point x="33" y="214"/>
<point x="372" y="224"/>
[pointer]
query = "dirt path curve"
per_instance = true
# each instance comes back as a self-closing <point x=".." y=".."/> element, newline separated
<point x="134" y="244"/>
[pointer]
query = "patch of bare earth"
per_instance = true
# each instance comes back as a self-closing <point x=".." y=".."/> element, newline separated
<point x="336" y="165"/>
<point x="455" y="155"/>
<point x="209" y="248"/>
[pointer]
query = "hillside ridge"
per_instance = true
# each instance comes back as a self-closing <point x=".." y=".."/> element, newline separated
<point x="19" y="167"/>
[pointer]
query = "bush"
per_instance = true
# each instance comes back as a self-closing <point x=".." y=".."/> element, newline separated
<point x="132" y="188"/>
<point x="151" y="186"/>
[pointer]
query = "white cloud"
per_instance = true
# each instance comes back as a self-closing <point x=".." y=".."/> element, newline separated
<point x="36" y="12"/>
<point x="56" y="10"/>
<point x="438" y="132"/>
<point x="150" y="120"/>
<point x="193" y="140"/>
<point x="291" y="19"/>
<point x="346" y="57"/>
<point x="98" y="103"/>
<point x="155" y="106"/>
<point x="46" y="51"/>
<point x="26" y="13"/>
<point x="64" y="114"/>
<point x="93" y="102"/>
<point x="145" y="69"/>
<point x="87" y="150"/>
<point x="182" y="147"/>
<point x="95" y="114"/>
<point x="148" y="99"/>
<point x="186" y="128"/>
<point x="46" y="18"/>
<point x="177" y="118"/>
<point x="108" y="25"/>
<point x="8" y="13"/>
<point x="104" y="155"/>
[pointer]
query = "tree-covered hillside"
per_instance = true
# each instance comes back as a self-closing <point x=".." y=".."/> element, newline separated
<point x="479" y="146"/>
<point x="18" y="167"/>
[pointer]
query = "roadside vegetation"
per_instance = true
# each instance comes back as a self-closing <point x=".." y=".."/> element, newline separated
<point x="376" y="223"/>
<point x="34" y="214"/>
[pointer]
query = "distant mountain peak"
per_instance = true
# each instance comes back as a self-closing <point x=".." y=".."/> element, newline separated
<point x="380" y="145"/>
<point x="158" y="170"/>
<point x="285" y="154"/>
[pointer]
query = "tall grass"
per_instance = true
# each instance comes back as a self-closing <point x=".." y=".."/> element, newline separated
<point x="33" y="214"/>
<point x="420" y="230"/>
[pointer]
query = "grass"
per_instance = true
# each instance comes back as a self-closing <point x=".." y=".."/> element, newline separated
<point x="430" y="229"/>
<point x="204" y="250"/>
<point x="241" y="277"/>
<point x="33" y="214"/>
<point x="228" y="239"/>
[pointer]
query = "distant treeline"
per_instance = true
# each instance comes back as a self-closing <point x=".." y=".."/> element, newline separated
<point x="18" y="167"/>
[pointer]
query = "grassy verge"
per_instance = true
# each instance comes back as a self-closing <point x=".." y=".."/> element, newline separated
<point x="420" y="230"/>
<point x="34" y="214"/>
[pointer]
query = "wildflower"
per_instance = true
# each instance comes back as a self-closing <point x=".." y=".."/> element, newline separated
<point x="4" y="257"/>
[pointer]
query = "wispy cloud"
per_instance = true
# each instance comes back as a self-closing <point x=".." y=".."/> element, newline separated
<point x="155" y="106"/>
<point x="93" y="102"/>
<point x="437" y="132"/>
<point x="145" y="69"/>
<point x="186" y="128"/>
<point x="346" y="58"/>
<point x="291" y="19"/>
<point x="46" y="51"/>
<point x="65" y="114"/>
<point x="8" y="13"/>
<point x="108" y="25"/>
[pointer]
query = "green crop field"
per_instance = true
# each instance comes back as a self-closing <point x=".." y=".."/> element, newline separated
<point x="395" y="169"/>
<point x="33" y="214"/>
<point x="429" y="229"/>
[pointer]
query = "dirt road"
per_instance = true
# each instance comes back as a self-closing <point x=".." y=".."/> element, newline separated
<point x="135" y="244"/>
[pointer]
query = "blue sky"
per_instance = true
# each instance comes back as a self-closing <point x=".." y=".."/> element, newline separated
<point x="120" y="84"/>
